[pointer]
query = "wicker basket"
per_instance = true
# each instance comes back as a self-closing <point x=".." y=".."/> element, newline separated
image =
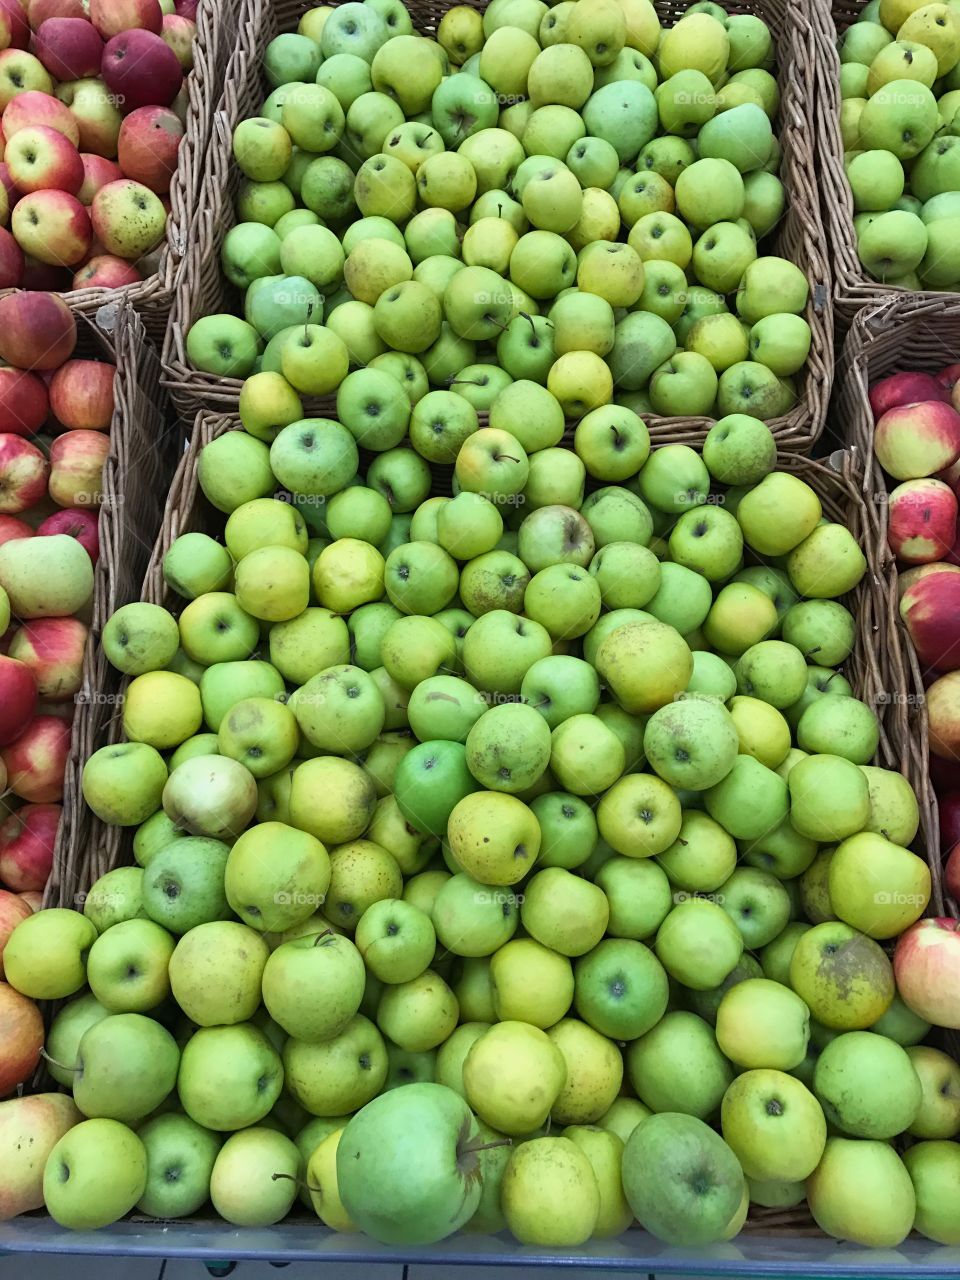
<point x="913" y="332"/>
<point x="873" y="668"/>
<point x="144" y="448"/>
<point x="152" y="297"/>
<point x="202" y="289"/>
<point x="853" y="287"/>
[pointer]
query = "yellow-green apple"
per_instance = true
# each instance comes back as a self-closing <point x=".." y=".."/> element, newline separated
<point x="763" y="1024"/>
<point x="180" y="32"/>
<point x="504" y="1056"/>
<point x="684" y="958"/>
<point x="216" y="971"/>
<point x="92" y="113"/>
<point x="126" y="1066"/>
<point x="22" y="1028"/>
<point x="860" y="1191"/>
<point x="30" y="1127"/>
<point x="128" y="218"/>
<point x="935" y="1172"/>
<point x="926" y="962"/>
<point x="640" y="816"/>
<point x="660" y="1066"/>
<point x="13" y="909"/>
<point x="888" y="1093"/>
<point x="774" y="1124"/>
<point x="551" y="1173"/>
<point x="917" y="440"/>
<point x="127" y="966"/>
<point x="230" y="1077"/>
<point x="494" y="837"/>
<point x="240" y="1189"/>
<point x="939" y="1113"/>
<point x="877" y="886"/>
<point x="844" y="976"/>
<point x="45" y="956"/>
<point x="123" y="784"/>
<point x="210" y="795"/>
<point x="27" y="839"/>
<point x="94" y="1175"/>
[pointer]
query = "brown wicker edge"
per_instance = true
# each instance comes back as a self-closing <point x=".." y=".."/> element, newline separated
<point x="202" y="289"/>
<point x="152" y="297"/>
<point x="144" y="449"/>
<point x="853" y="287"/>
<point x="905" y="333"/>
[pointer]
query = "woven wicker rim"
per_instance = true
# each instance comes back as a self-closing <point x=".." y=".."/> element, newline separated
<point x="201" y="289"/>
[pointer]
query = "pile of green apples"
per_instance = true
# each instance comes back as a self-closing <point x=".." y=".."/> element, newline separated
<point x="565" y="195"/>
<point x="506" y="860"/>
<point x="900" y="85"/>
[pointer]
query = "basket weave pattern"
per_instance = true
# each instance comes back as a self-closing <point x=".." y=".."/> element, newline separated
<point x="202" y="289"/>
<point x="144" y="448"/>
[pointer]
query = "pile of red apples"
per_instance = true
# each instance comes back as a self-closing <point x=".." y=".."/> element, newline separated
<point x="92" y="110"/>
<point x="55" y="416"/>
<point x="917" y="442"/>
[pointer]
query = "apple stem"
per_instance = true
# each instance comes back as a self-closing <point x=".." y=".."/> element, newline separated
<point x="463" y="382"/>
<point x="472" y="1150"/>
<point x="816" y="649"/>
<point x="327" y="933"/>
<point x="683" y="842"/>
<point x="301" y="1182"/>
<point x="529" y="320"/>
<point x="54" y="1063"/>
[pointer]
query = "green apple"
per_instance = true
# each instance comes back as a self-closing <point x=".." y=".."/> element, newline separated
<point x="887" y="1095"/>
<point x="682" y="947"/>
<point x="620" y="988"/>
<point x="933" y="1171"/>
<point x="682" y="1181"/>
<point x="94" y="1175"/>
<point x="126" y="1066"/>
<point x="677" y="1066"/>
<point x="774" y="1125"/>
<point x="761" y="1024"/>
<point x="844" y="977"/>
<point x="180" y="1160"/>
<point x="183" y="885"/>
<point x="876" y="1170"/>
<point x="691" y="744"/>
<point x="702" y="857"/>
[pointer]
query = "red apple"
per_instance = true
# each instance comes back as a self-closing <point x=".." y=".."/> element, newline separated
<point x="18" y="699"/>
<point x="917" y="440"/>
<point x="141" y="70"/>
<point x="70" y="48"/>
<point x="75" y="523"/>
<point x="904" y="388"/>
<point x="149" y="143"/>
<point x="27" y="841"/>
<point x="930" y="609"/>
<point x="43" y="277"/>
<point x="23" y="475"/>
<point x="40" y="158"/>
<point x="180" y="33"/>
<point x="33" y="108"/>
<point x="12" y="264"/>
<point x="14" y="28"/>
<point x="922" y="521"/>
<point x="926" y="965"/>
<point x="951" y="873"/>
<point x="37" y="330"/>
<point x="24" y="402"/>
<point x="21" y="1038"/>
<point x="38" y="11"/>
<point x="111" y="17"/>
<point x="97" y="172"/>
<point x="53" y="650"/>
<point x="106" y="272"/>
<point x="53" y="226"/>
<point x="36" y="760"/>
<point x="76" y="468"/>
<point x="9" y="186"/>
<point x="81" y="395"/>
<point x="13" y="909"/>
<point x="186" y="8"/>
<point x="948" y="804"/>
<point x="949" y="376"/>
<point x="12" y="529"/>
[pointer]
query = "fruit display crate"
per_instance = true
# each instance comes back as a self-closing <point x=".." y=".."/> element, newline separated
<point x="874" y="669"/>
<point x="917" y="332"/>
<point x="152" y="297"/>
<point x="144" y="445"/>
<point x="202" y="289"/>
<point x="853" y="288"/>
